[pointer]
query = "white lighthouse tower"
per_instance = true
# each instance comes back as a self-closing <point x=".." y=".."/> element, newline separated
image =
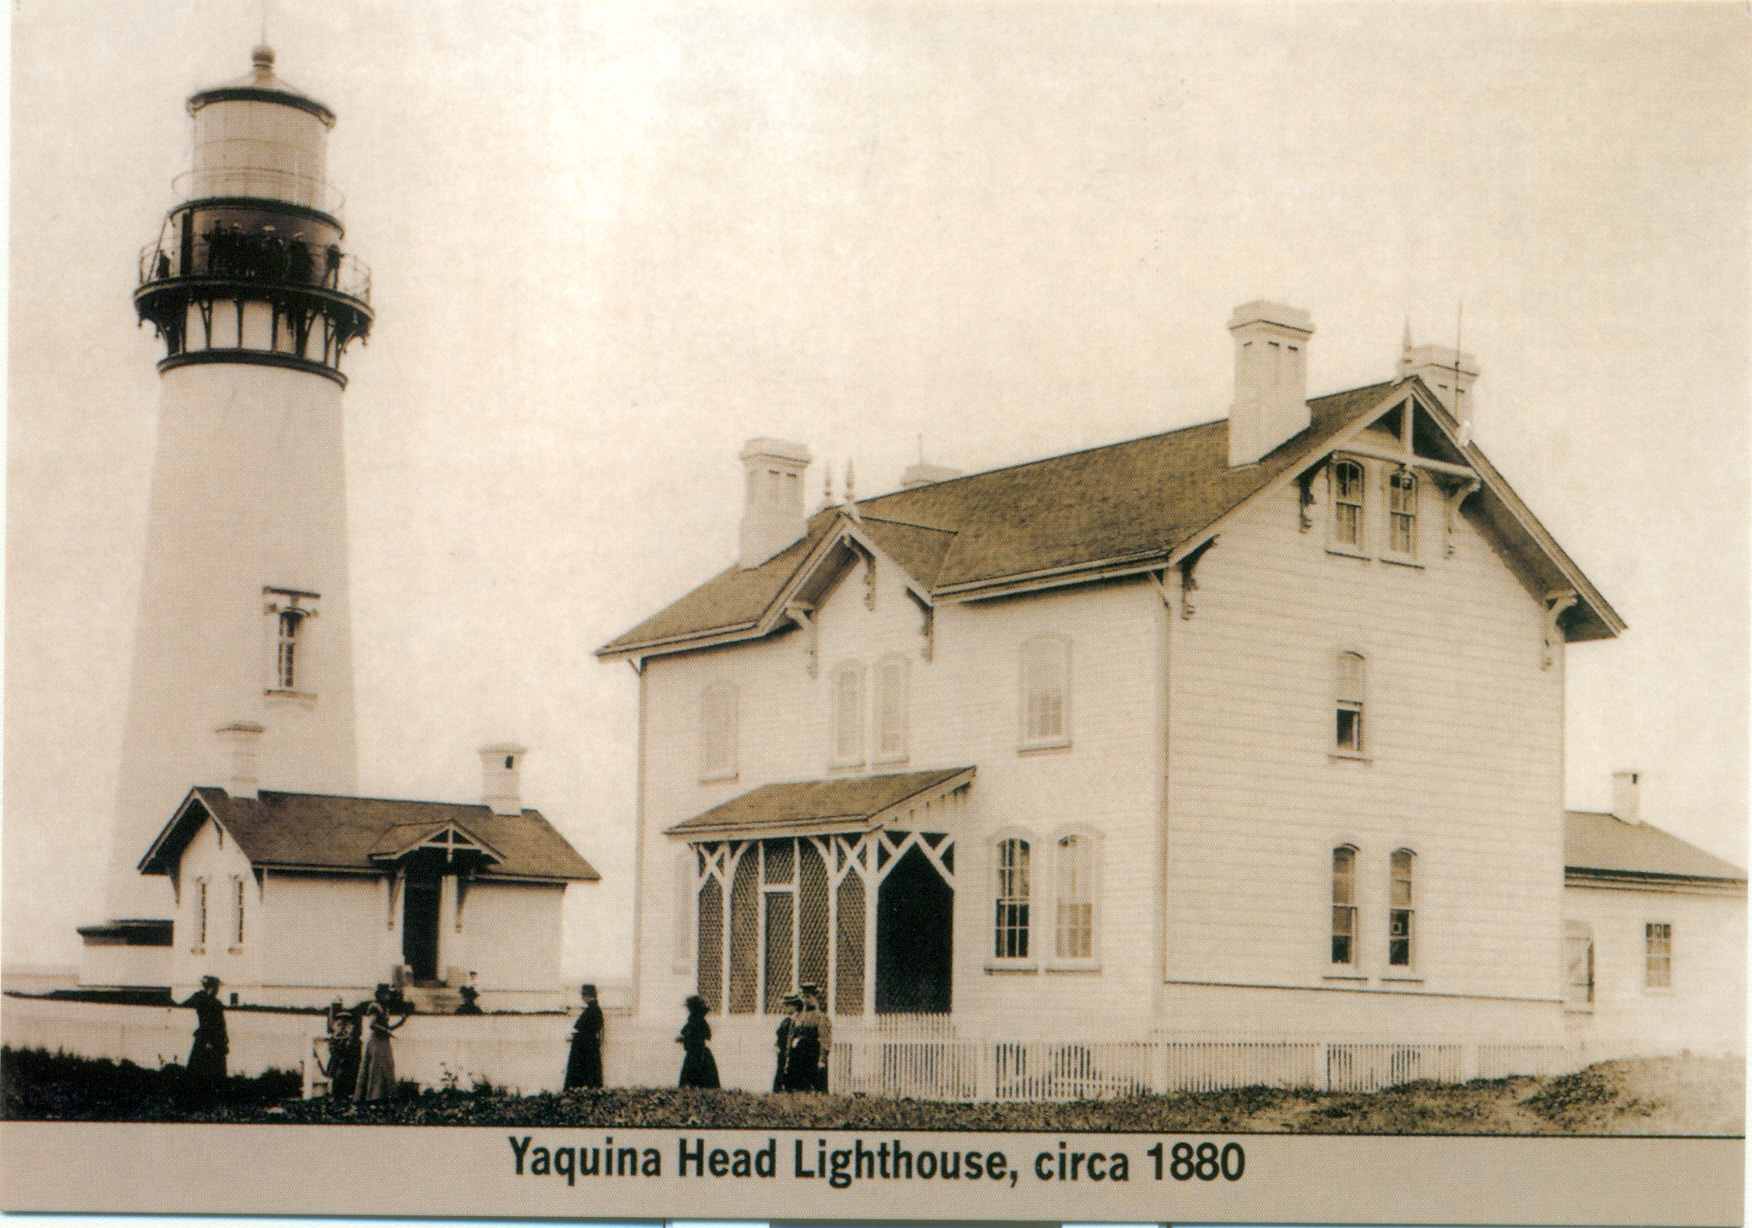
<point x="242" y="668"/>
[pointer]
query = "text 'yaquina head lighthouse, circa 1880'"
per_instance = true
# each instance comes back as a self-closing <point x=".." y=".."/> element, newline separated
<point x="243" y="666"/>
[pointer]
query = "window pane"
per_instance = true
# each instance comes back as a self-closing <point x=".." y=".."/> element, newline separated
<point x="1044" y="690"/>
<point x="1344" y="913"/>
<point x="1011" y="933"/>
<point x="1074" y="929"/>
<point x="1659" y="939"/>
<point x="1347" y="509"/>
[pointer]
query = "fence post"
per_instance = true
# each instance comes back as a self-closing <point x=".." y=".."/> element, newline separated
<point x="1158" y="1065"/>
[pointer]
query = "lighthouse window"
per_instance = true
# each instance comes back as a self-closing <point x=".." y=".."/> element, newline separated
<point x="289" y="664"/>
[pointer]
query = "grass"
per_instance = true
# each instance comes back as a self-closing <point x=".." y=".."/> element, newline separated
<point x="1654" y="1096"/>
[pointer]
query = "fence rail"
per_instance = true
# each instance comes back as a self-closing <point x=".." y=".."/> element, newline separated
<point x="926" y="1059"/>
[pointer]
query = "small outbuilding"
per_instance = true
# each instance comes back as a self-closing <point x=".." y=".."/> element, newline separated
<point x="296" y="898"/>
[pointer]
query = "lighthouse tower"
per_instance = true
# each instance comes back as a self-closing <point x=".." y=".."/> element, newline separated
<point x="242" y="669"/>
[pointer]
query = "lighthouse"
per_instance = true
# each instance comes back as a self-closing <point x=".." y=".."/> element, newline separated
<point x="242" y="671"/>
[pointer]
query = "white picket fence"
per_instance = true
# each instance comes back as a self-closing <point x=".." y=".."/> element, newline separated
<point x="922" y="1057"/>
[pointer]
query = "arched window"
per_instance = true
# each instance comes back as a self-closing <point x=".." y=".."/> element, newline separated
<point x="1010" y="932"/>
<point x="718" y="732"/>
<point x="848" y="715"/>
<point x="1046" y="691"/>
<point x="1344" y="905"/>
<point x="286" y="653"/>
<point x="1400" y="911"/>
<point x="1402" y="512"/>
<point x="1347" y="504"/>
<point x="1074" y="882"/>
<point x="292" y="611"/>
<point x="891" y="709"/>
<point x="1349" y="703"/>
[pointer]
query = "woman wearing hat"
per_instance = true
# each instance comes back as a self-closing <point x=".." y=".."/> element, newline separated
<point x="698" y="1069"/>
<point x="805" y="1046"/>
<point x="584" y="1062"/>
<point x="342" y="1068"/>
<point x="205" y="1077"/>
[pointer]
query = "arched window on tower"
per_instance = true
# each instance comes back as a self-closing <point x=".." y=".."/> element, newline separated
<point x="289" y="671"/>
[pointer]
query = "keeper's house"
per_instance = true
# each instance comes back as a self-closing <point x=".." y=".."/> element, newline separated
<point x="294" y="899"/>
<point x="1654" y="938"/>
<point x="1250" y="730"/>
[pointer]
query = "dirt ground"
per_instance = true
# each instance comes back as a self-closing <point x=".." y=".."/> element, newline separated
<point x="1663" y="1096"/>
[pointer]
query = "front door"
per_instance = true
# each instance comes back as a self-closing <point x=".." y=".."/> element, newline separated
<point x="915" y="915"/>
<point x="420" y="896"/>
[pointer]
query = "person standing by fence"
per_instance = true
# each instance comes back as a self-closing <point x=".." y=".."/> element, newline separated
<point x="698" y="1068"/>
<point x="805" y="1047"/>
<point x="342" y="1067"/>
<point x="377" y="1070"/>
<point x="584" y="1061"/>
<point x="204" y="1080"/>
<point x="793" y="1004"/>
<point x="823" y="1036"/>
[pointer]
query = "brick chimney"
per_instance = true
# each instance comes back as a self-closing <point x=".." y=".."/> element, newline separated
<point x="772" y="516"/>
<point x="501" y="765"/>
<point x="1271" y="378"/>
<point x="1624" y="796"/>
<point x="242" y="745"/>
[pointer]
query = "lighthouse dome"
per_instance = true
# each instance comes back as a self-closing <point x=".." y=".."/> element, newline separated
<point x="261" y="85"/>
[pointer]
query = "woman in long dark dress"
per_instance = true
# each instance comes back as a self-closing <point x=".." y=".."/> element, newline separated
<point x="342" y="1067"/>
<point x="698" y="1068"/>
<point x="793" y="1003"/>
<point x="377" y="1070"/>
<point x="204" y="1079"/>
<point x="805" y="1048"/>
<point x="584" y="1062"/>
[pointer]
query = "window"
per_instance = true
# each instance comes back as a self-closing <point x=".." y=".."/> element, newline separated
<point x="1074" y="872"/>
<point x="718" y="732"/>
<point x="1347" y="504"/>
<point x="289" y="667"/>
<point x="1011" y="930"/>
<point x="1399" y="912"/>
<point x="200" y="915"/>
<point x="1046" y="678"/>
<point x="237" y="896"/>
<point x="1658" y="967"/>
<point x="1578" y="958"/>
<point x="1344" y="905"/>
<point x="1402" y="512"/>
<point x="848" y="715"/>
<point x="1349" y="730"/>
<point x="891" y="709"/>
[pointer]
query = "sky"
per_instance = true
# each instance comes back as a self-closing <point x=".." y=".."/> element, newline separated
<point x="611" y="242"/>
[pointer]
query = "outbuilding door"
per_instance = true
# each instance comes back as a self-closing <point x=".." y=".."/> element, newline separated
<point x="420" y="896"/>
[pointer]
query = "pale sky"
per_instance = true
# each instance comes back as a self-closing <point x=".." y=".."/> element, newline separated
<point x="609" y="243"/>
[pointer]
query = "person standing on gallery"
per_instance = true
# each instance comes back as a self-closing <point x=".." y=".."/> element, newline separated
<point x="793" y="1004"/>
<point x="698" y="1067"/>
<point x="584" y="1063"/>
<point x="204" y="1079"/>
<point x="377" y="1070"/>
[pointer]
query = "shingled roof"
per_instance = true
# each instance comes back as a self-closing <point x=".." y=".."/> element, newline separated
<point x="816" y="807"/>
<point x="314" y="831"/>
<point x="1077" y="516"/>
<point x="1603" y="846"/>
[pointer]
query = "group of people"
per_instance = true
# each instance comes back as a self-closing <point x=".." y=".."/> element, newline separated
<point x="361" y="1059"/>
<point x="233" y="251"/>
<point x="804" y="1043"/>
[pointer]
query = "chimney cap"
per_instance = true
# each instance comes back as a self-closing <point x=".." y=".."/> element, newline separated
<point x="780" y="449"/>
<point x="1263" y="311"/>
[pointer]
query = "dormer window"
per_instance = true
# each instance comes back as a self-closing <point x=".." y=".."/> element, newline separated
<point x="289" y="672"/>
<point x="1347" y="504"/>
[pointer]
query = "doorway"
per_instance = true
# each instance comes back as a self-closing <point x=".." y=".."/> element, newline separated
<point x="421" y="893"/>
<point x="915" y="916"/>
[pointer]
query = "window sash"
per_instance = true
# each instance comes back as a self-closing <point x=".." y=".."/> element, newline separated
<point x="1402" y="508"/>
<point x="1400" y="912"/>
<point x="1045" y="679"/>
<point x="1344" y="911"/>
<point x="891" y="709"/>
<point x="1347" y="504"/>
<point x="1658" y="967"/>
<point x="1010" y="930"/>
<point x="1074" y="930"/>
<point x="848" y="741"/>
<point x="286" y="655"/>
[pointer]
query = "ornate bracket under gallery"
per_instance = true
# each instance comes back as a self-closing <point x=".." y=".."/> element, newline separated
<point x="1189" y="583"/>
<point x="1555" y="604"/>
<point x="927" y="623"/>
<point x="1455" y="491"/>
<point x="800" y="612"/>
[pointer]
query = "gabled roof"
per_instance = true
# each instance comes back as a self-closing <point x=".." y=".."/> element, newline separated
<point x="1102" y="512"/>
<point x="314" y="831"/>
<point x="816" y="807"/>
<point x="1604" y="846"/>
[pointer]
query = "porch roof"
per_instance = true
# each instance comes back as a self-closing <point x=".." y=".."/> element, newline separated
<point x="821" y="807"/>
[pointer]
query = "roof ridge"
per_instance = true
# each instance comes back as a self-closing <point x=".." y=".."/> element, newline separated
<point x="1118" y="443"/>
<point x="360" y="797"/>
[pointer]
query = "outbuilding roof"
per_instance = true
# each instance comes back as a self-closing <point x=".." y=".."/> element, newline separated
<point x="816" y="807"/>
<point x="1603" y="846"/>
<point x="315" y="831"/>
<point x="1088" y="514"/>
